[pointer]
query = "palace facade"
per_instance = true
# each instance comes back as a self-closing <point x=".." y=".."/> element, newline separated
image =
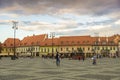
<point x="38" y="45"/>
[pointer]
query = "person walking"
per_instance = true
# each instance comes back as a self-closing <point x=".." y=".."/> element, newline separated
<point x="57" y="59"/>
<point x="94" y="60"/>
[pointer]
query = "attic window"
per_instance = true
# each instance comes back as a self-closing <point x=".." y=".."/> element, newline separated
<point x="25" y="43"/>
<point x="87" y="41"/>
<point x="72" y="42"/>
<point x="38" y="42"/>
<point x="104" y="43"/>
<point x="53" y="43"/>
<point x="67" y="42"/>
<point x="112" y="43"/>
<point x="11" y="44"/>
<point x="61" y="42"/>
<point x="83" y="41"/>
<point x="78" y="42"/>
<point x="32" y="43"/>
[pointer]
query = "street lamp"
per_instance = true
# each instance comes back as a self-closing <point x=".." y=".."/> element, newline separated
<point x="52" y="35"/>
<point x="14" y="27"/>
<point x="119" y="48"/>
<point x="107" y="51"/>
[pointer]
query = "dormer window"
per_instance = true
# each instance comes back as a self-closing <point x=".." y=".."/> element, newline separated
<point x="25" y="43"/>
<point x="67" y="42"/>
<point x="78" y="42"/>
<point x="4" y="44"/>
<point x="37" y="42"/>
<point x="104" y="43"/>
<point x="32" y="43"/>
<point x="46" y="44"/>
<point x="72" y="42"/>
<point x="61" y="42"/>
<point x="11" y="44"/>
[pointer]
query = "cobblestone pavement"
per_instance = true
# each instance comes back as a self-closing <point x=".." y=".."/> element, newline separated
<point x="46" y="69"/>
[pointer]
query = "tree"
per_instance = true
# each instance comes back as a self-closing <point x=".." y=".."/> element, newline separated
<point x="79" y="50"/>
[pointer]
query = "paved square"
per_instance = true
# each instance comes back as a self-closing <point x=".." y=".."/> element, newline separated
<point x="46" y="69"/>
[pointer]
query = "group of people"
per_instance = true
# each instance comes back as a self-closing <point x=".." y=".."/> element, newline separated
<point x="57" y="57"/>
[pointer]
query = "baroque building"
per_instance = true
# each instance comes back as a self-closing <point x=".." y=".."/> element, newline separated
<point x="38" y="45"/>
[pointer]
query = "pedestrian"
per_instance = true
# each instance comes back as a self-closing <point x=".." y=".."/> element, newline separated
<point x="83" y="58"/>
<point x="57" y="59"/>
<point x="94" y="60"/>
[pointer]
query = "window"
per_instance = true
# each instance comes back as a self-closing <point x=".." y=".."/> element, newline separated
<point x="98" y="48"/>
<point x="88" y="48"/>
<point x="102" y="48"/>
<point x="113" y="48"/>
<point x="78" y="42"/>
<point x="110" y="48"/>
<point x="72" y="49"/>
<point x="46" y="44"/>
<point x="61" y="49"/>
<point x="32" y="43"/>
<point x="83" y="41"/>
<point x="83" y="49"/>
<point x="56" y="50"/>
<point x="61" y="42"/>
<point x="95" y="48"/>
<point x="96" y="43"/>
<point x="37" y="42"/>
<point x="44" y="49"/>
<point x="72" y="42"/>
<point x="11" y="44"/>
<point x="48" y="50"/>
<point x="66" y="49"/>
<point x="87" y="41"/>
<point x="25" y="43"/>
<point x="103" y="43"/>
<point x="41" y="49"/>
<point x="67" y="42"/>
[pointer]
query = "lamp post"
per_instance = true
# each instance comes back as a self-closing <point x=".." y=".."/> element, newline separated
<point x="119" y="48"/>
<point x="107" y="51"/>
<point x="15" y="28"/>
<point x="52" y="35"/>
<point x="96" y="43"/>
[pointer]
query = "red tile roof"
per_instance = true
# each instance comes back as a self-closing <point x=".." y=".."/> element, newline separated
<point x="43" y="40"/>
<point x="33" y="40"/>
<point x="10" y="42"/>
<point x="48" y="42"/>
<point x="75" y="40"/>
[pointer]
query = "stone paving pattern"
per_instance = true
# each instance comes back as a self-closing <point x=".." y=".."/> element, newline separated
<point x="46" y="69"/>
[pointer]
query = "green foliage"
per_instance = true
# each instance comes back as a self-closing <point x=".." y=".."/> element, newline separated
<point x="79" y="50"/>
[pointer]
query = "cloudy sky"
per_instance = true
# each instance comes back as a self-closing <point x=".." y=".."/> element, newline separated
<point x="64" y="17"/>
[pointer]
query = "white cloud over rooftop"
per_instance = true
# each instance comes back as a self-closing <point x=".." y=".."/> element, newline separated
<point x="65" y="17"/>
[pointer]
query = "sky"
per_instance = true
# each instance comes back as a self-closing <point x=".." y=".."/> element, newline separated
<point x="63" y="17"/>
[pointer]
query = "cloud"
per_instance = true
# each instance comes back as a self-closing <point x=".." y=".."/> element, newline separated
<point x="56" y="7"/>
<point x="117" y="22"/>
<point x="4" y="22"/>
<point x="103" y="31"/>
<point x="40" y="25"/>
<point x="68" y="24"/>
<point x="103" y="22"/>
